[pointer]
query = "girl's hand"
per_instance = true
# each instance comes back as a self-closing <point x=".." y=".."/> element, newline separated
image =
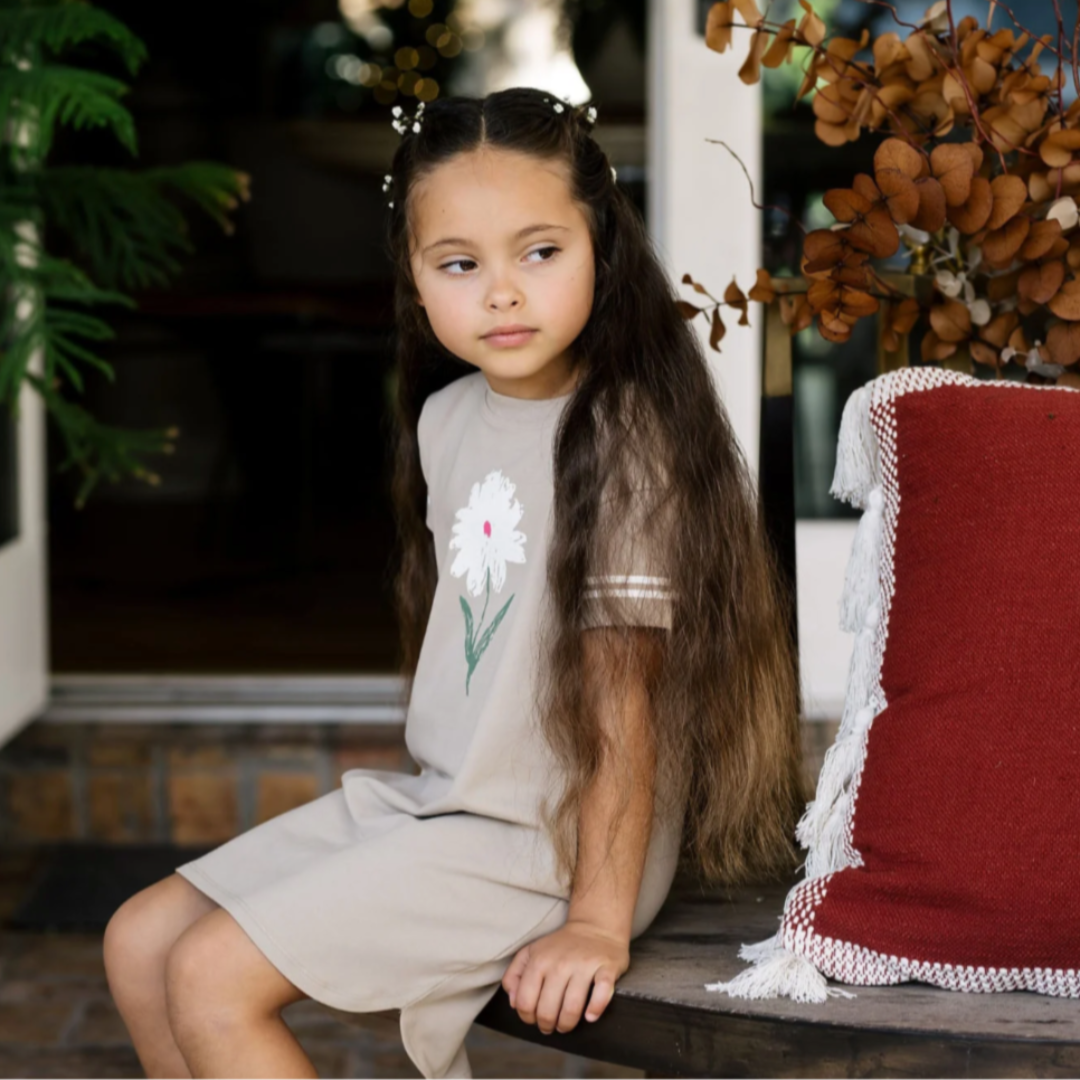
<point x="548" y="979"/>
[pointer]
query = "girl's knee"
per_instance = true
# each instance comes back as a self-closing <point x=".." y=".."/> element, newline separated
<point x="130" y="932"/>
<point x="144" y="928"/>
<point x="215" y="972"/>
<point x="196" y="979"/>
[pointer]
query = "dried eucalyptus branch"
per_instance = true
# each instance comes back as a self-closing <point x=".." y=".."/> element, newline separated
<point x="997" y="234"/>
<point x="750" y="182"/>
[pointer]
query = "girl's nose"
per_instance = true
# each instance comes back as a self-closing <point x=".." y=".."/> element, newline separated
<point x="504" y="295"/>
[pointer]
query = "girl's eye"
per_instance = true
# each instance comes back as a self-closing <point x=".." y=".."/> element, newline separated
<point x="550" y="247"/>
<point x="458" y="262"/>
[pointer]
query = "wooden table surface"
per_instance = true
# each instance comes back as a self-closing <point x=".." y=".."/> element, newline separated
<point x="664" y="1021"/>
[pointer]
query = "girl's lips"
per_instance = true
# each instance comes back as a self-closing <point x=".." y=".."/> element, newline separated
<point x="518" y="337"/>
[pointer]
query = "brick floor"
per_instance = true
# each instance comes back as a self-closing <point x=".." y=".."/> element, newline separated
<point x="57" y="1017"/>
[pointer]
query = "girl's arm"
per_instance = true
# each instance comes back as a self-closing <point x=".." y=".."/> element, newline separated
<point x="606" y="883"/>
<point x="549" y="980"/>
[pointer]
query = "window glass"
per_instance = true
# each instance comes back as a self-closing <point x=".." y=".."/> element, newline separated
<point x="268" y="545"/>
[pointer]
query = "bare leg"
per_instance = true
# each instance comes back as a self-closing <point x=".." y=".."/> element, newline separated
<point x="224" y="1002"/>
<point x="136" y="948"/>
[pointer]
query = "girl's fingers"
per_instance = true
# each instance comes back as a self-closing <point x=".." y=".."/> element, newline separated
<point x="528" y="994"/>
<point x="511" y="980"/>
<point x="577" y="993"/>
<point x="550" y="1003"/>
<point x="603" y="991"/>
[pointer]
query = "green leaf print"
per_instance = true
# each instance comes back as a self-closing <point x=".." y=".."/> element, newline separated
<point x="468" y="635"/>
<point x="475" y="646"/>
<point x="485" y="637"/>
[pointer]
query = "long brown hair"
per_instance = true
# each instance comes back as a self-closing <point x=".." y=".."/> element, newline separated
<point x="644" y="415"/>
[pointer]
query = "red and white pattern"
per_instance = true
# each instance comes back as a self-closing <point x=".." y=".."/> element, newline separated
<point x="941" y="843"/>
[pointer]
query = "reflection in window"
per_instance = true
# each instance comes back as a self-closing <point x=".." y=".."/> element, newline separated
<point x="824" y="375"/>
<point x="9" y="479"/>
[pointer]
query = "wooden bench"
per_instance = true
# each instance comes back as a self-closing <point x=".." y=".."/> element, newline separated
<point x="664" y="1021"/>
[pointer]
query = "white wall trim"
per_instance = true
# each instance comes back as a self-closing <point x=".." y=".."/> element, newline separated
<point x="700" y="211"/>
<point x="241" y="699"/>
<point x="214" y="699"/>
<point x="822" y="549"/>
<point x="24" y="639"/>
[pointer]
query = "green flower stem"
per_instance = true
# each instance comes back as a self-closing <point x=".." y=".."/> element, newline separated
<point x="476" y="638"/>
<point x="487" y="596"/>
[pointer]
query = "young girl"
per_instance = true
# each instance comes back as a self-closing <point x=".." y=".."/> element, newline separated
<point x="600" y="673"/>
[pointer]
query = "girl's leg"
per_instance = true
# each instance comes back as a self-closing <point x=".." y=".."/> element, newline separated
<point x="224" y="1001"/>
<point x="136" y="947"/>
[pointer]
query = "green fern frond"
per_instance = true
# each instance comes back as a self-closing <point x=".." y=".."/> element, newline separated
<point x="70" y="291"/>
<point x="15" y="360"/>
<point x="98" y="450"/>
<point x="62" y="355"/>
<point x="215" y="189"/>
<point x="53" y="333"/>
<point x="128" y="229"/>
<point x="49" y="328"/>
<point x="66" y="321"/>
<point x="43" y="96"/>
<point x="27" y="263"/>
<point x="127" y="226"/>
<point x="58" y="26"/>
<point x="17" y="204"/>
<point x="61" y="280"/>
<point x="124" y="227"/>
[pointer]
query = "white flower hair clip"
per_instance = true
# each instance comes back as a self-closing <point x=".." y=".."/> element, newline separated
<point x="402" y="125"/>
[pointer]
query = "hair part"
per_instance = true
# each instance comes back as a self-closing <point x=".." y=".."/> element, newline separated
<point x="644" y="422"/>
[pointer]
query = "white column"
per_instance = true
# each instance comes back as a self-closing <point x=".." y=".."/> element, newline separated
<point x="700" y="211"/>
<point x="23" y="625"/>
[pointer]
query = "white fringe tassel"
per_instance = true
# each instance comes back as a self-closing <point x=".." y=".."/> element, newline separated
<point x="841" y="761"/>
<point x="760" y="950"/>
<point x="822" y="830"/>
<point x="780" y="972"/>
<point x="860" y="579"/>
<point x="857" y="463"/>
<point x="830" y="853"/>
<point x="862" y="673"/>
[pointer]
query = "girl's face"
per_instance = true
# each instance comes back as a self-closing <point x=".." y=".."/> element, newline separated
<point x="498" y="242"/>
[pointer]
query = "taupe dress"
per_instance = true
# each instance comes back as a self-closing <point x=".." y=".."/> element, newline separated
<point x="415" y="891"/>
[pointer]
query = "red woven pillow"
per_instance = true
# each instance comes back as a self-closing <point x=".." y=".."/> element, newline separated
<point x="942" y="841"/>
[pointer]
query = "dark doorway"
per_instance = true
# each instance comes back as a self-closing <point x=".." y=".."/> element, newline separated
<point x="268" y="544"/>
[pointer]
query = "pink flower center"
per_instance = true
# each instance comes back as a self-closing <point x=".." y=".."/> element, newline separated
<point x="487" y="528"/>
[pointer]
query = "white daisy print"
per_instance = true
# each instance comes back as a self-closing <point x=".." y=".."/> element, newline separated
<point x="485" y="534"/>
<point x="486" y="538"/>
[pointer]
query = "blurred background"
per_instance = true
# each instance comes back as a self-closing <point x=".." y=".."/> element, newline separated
<point x="186" y="659"/>
<point x="267" y="544"/>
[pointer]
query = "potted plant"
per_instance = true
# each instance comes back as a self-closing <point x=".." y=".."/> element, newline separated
<point x="120" y="229"/>
<point x="976" y="183"/>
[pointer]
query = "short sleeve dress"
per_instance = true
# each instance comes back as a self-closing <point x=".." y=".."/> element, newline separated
<point x="414" y="892"/>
